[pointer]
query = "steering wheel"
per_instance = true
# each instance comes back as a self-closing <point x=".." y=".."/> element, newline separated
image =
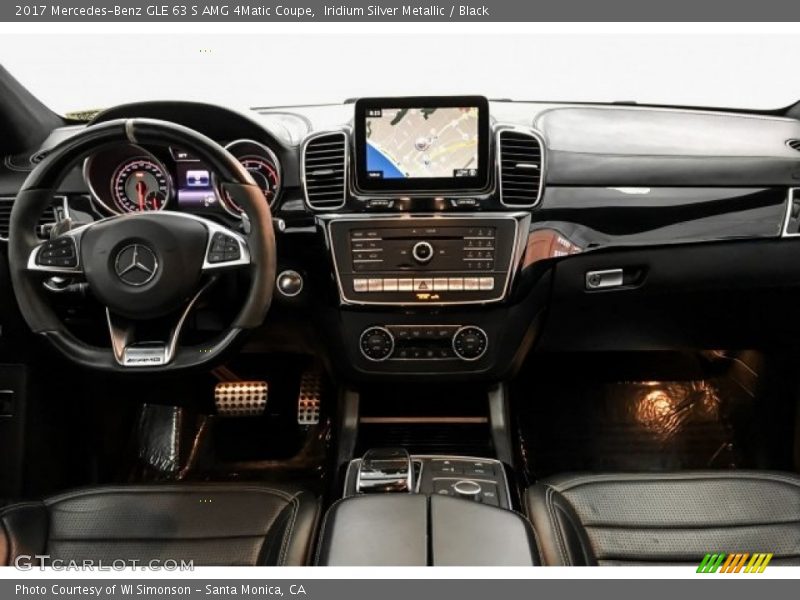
<point x="146" y="268"/>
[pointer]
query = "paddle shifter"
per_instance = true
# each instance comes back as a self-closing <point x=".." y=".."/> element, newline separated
<point x="385" y="470"/>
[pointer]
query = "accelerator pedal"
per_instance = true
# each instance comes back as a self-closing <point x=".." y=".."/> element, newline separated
<point x="241" y="398"/>
<point x="309" y="398"/>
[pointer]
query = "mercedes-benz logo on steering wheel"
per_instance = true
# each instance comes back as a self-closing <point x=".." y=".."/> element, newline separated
<point x="136" y="265"/>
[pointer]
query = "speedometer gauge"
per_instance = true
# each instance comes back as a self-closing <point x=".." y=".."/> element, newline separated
<point x="140" y="184"/>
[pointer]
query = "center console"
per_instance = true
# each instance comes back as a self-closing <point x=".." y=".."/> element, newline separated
<point x="401" y="510"/>
<point x="425" y="209"/>
<point x="480" y="480"/>
<point x="425" y="262"/>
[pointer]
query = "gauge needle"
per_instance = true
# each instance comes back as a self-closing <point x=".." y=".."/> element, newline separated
<point x="141" y="190"/>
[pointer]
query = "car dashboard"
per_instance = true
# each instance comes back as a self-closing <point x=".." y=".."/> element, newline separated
<point x="489" y="230"/>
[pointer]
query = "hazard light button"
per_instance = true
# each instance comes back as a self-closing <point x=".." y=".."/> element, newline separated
<point x="423" y="285"/>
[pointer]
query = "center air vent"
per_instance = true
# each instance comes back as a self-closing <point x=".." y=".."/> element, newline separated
<point x="521" y="156"/>
<point x="794" y="144"/>
<point x="325" y="170"/>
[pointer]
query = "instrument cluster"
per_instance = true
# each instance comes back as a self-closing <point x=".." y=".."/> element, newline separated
<point x="128" y="178"/>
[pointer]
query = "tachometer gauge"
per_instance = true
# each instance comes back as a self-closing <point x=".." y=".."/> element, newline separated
<point x="265" y="175"/>
<point x="140" y="184"/>
<point x="262" y="164"/>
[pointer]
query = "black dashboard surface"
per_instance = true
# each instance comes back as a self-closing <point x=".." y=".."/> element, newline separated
<point x="587" y="145"/>
<point x="660" y="147"/>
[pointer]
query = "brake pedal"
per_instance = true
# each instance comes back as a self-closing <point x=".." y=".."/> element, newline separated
<point x="241" y="398"/>
<point x="309" y="398"/>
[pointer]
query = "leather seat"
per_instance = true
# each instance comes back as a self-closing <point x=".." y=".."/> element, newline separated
<point x="673" y="518"/>
<point x="213" y="525"/>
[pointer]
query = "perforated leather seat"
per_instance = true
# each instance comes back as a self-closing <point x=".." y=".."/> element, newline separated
<point x="209" y="524"/>
<point x="672" y="518"/>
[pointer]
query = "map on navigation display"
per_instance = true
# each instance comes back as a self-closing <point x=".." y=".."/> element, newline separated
<point x="422" y="142"/>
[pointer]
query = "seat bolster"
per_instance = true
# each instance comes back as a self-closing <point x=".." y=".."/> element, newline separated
<point x="302" y="532"/>
<point x="666" y="518"/>
<point x="562" y="539"/>
<point x="211" y="524"/>
<point x="293" y="541"/>
<point x="23" y="531"/>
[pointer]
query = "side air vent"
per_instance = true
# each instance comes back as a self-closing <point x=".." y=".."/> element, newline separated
<point x="47" y="220"/>
<point x="325" y="170"/>
<point x="794" y="144"/>
<point x="521" y="156"/>
<point x="5" y="216"/>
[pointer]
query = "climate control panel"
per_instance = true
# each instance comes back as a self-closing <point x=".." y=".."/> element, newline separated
<point x="423" y="342"/>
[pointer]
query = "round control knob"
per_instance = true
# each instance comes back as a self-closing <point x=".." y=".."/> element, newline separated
<point x="465" y="488"/>
<point x="290" y="283"/>
<point x="376" y="343"/>
<point x="470" y="342"/>
<point x="422" y="252"/>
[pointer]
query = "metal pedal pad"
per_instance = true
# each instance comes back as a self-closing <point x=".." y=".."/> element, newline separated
<point x="241" y="398"/>
<point x="309" y="398"/>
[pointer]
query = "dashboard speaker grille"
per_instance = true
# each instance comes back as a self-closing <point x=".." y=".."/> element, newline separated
<point x="521" y="166"/>
<point x="325" y="171"/>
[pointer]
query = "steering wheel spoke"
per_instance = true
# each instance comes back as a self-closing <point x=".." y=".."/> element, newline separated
<point x="58" y="256"/>
<point x="225" y="250"/>
<point x="132" y="353"/>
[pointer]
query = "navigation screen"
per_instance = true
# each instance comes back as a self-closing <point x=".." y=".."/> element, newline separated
<point x="421" y="145"/>
<point x="422" y="142"/>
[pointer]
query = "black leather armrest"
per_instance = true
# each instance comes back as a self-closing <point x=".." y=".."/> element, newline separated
<point x="415" y="530"/>
<point x="467" y="533"/>
<point x="380" y="530"/>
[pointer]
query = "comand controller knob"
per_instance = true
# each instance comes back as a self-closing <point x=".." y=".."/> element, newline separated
<point x="466" y="488"/>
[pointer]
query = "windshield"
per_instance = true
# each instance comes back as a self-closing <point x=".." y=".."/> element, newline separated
<point x="76" y="73"/>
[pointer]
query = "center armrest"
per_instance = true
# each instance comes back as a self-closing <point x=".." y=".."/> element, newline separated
<point x="420" y="530"/>
<point x="379" y="530"/>
<point x="468" y="533"/>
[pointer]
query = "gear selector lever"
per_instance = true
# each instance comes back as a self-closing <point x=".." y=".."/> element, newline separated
<point x="385" y="470"/>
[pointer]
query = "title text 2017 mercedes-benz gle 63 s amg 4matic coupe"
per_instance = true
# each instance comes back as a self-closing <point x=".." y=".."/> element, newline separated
<point x="399" y="331"/>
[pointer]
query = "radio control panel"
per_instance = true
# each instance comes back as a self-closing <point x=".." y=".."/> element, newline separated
<point x="425" y="260"/>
